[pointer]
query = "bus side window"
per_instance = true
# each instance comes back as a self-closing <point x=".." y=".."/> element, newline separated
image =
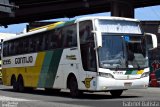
<point x="50" y="42"/>
<point x="18" y="49"/>
<point x="59" y="38"/>
<point x="69" y="40"/>
<point x="24" y="45"/>
<point x="43" y="42"/>
<point x="54" y="40"/>
<point x="64" y="39"/>
<point x="41" y="46"/>
<point x="15" y="47"/>
<point x="5" y="51"/>
<point x="30" y="45"/>
<point x="10" y="48"/>
<point x="36" y="43"/>
<point x="69" y="36"/>
<point x="20" y="46"/>
<point x="46" y="41"/>
<point x="74" y="38"/>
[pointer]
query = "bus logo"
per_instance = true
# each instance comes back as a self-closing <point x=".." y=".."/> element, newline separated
<point x="87" y="82"/>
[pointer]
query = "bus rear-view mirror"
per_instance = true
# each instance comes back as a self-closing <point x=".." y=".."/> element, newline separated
<point x="98" y="38"/>
<point x="151" y="41"/>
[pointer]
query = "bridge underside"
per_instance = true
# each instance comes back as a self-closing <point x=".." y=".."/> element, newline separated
<point x="33" y="10"/>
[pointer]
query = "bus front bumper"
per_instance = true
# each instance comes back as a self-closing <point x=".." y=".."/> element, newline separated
<point x="104" y="84"/>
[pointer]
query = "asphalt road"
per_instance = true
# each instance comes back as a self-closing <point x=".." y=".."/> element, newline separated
<point x="39" y="98"/>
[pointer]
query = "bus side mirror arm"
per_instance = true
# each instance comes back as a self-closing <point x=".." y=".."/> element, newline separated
<point x="154" y="40"/>
<point x="98" y="37"/>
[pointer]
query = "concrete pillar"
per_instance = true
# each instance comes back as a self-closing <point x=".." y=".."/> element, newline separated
<point x="122" y="8"/>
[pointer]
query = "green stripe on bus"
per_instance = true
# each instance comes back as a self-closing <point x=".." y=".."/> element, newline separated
<point x="53" y="67"/>
<point x="45" y="69"/>
<point x="134" y="72"/>
<point x="128" y="72"/>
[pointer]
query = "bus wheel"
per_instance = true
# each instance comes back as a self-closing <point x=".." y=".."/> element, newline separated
<point x="73" y="86"/>
<point x="20" y="84"/>
<point x="116" y="93"/>
<point x="14" y="83"/>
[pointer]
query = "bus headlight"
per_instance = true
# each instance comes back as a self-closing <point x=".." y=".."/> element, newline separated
<point x="107" y="75"/>
<point x="145" y="74"/>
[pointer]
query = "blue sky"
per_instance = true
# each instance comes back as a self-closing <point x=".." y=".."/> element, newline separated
<point x="146" y="13"/>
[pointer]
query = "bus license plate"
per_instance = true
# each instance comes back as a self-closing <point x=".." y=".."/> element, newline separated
<point x="127" y="84"/>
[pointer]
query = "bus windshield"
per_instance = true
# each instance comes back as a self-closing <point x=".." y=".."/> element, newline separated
<point x="123" y="51"/>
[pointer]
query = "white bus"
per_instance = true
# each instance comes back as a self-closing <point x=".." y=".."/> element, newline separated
<point x="90" y="54"/>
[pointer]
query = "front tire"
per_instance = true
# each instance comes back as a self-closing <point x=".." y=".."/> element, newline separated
<point x="73" y="86"/>
<point x="116" y="93"/>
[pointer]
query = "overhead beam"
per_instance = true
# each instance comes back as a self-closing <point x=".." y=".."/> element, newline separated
<point x="58" y="10"/>
<point x="34" y="10"/>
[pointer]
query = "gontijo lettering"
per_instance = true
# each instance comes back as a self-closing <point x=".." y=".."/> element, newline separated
<point x="22" y="60"/>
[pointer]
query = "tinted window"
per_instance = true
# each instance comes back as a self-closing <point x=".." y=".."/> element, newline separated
<point x="87" y="46"/>
<point x="64" y="37"/>
<point x="69" y="36"/>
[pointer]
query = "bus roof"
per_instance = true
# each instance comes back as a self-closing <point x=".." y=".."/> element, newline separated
<point x="61" y="24"/>
<point x="106" y="18"/>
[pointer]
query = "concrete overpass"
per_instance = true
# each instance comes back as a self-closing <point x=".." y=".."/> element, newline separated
<point x="33" y="10"/>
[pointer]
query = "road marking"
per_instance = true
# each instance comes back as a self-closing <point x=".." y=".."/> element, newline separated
<point x="4" y="98"/>
<point x="17" y="102"/>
